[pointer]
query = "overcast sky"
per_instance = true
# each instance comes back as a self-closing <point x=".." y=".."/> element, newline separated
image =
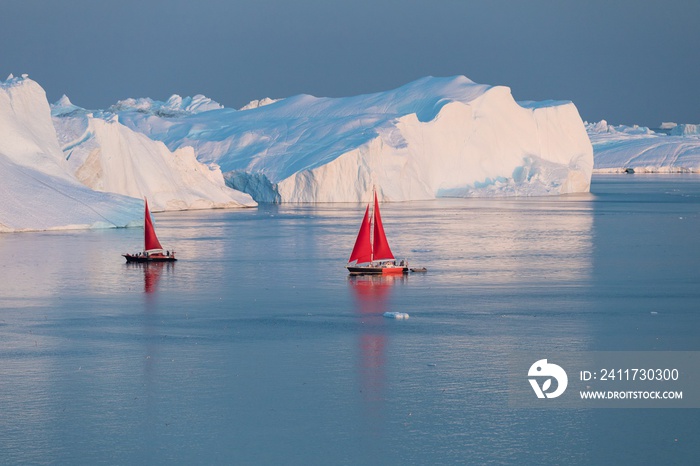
<point x="627" y="61"/>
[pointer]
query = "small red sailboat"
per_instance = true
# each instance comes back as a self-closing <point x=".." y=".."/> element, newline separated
<point x="373" y="257"/>
<point x="152" y="251"/>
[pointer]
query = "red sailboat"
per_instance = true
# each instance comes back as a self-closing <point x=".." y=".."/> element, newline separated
<point x="152" y="251"/>
<point x="373" y="256"/>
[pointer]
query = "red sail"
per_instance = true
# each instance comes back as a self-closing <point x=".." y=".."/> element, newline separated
<point x="362" y="252"/>
<point x="382" y="251"/>
<point x="150" y="239"/>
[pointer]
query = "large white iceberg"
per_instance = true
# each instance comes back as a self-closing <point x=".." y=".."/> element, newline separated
<point x="37" y="190"/>
<point x="432" y="137"/>
<point x="75" y="170"/>
<point x="107" y="156"/>
<point x="620" y="148"/>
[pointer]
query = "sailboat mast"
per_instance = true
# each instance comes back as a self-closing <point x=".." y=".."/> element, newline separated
<point x="371" y="234"/>
<point x="372" y="225"/>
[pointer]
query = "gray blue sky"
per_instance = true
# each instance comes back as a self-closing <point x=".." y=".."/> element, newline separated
<point x="627" y="61"/>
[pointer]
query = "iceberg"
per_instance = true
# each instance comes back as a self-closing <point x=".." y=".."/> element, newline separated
<point x="175" y="105"/>
<point x="396" y="315"/>
<point x="685" y="130"/>
<point x="430" y="138"/>
<point x="37" y="189"/>
<point x="66" y="167"/>
<point x="620" y="148"/>
<point x="107" y="156"/>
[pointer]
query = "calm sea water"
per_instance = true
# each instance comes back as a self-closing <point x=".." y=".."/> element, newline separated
<point x="256" y="347"/>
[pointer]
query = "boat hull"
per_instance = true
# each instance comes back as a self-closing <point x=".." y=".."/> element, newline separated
<point x="149" y="258"/>
<point x="377" y="270"/>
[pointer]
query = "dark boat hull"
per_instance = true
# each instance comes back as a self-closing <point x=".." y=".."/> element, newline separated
<point x="377" y="270"/>
<point x="149" y="258"/>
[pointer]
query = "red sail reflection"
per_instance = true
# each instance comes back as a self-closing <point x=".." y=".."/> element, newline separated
<point x="372" y="294"/>
<point x="152" y="272"/>
<point x="151" y="276"/>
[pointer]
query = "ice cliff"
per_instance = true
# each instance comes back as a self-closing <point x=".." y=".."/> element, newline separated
<point x="676" y="149"/>
<point x="76" y="168"/>
<point x="107" y="156"/>
<point x="432" y="137"/>
<point x="37" y="190"/>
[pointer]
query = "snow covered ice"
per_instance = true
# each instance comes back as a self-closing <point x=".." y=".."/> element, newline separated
<point x="37" y="190"/>
<point x="107" y="156"/>
<point x="85" y="170"/>
<point x="435" y="137"/>
<point x="430" y="138"/>
<point x="618" y="148"/>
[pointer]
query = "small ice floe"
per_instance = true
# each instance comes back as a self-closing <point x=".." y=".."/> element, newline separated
<point x="396" y="315"/>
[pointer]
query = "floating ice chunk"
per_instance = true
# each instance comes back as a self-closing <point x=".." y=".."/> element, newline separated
<point x="396" y="315"/>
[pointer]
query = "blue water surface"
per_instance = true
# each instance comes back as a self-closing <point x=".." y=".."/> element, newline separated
<point x="257" y="348"/>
